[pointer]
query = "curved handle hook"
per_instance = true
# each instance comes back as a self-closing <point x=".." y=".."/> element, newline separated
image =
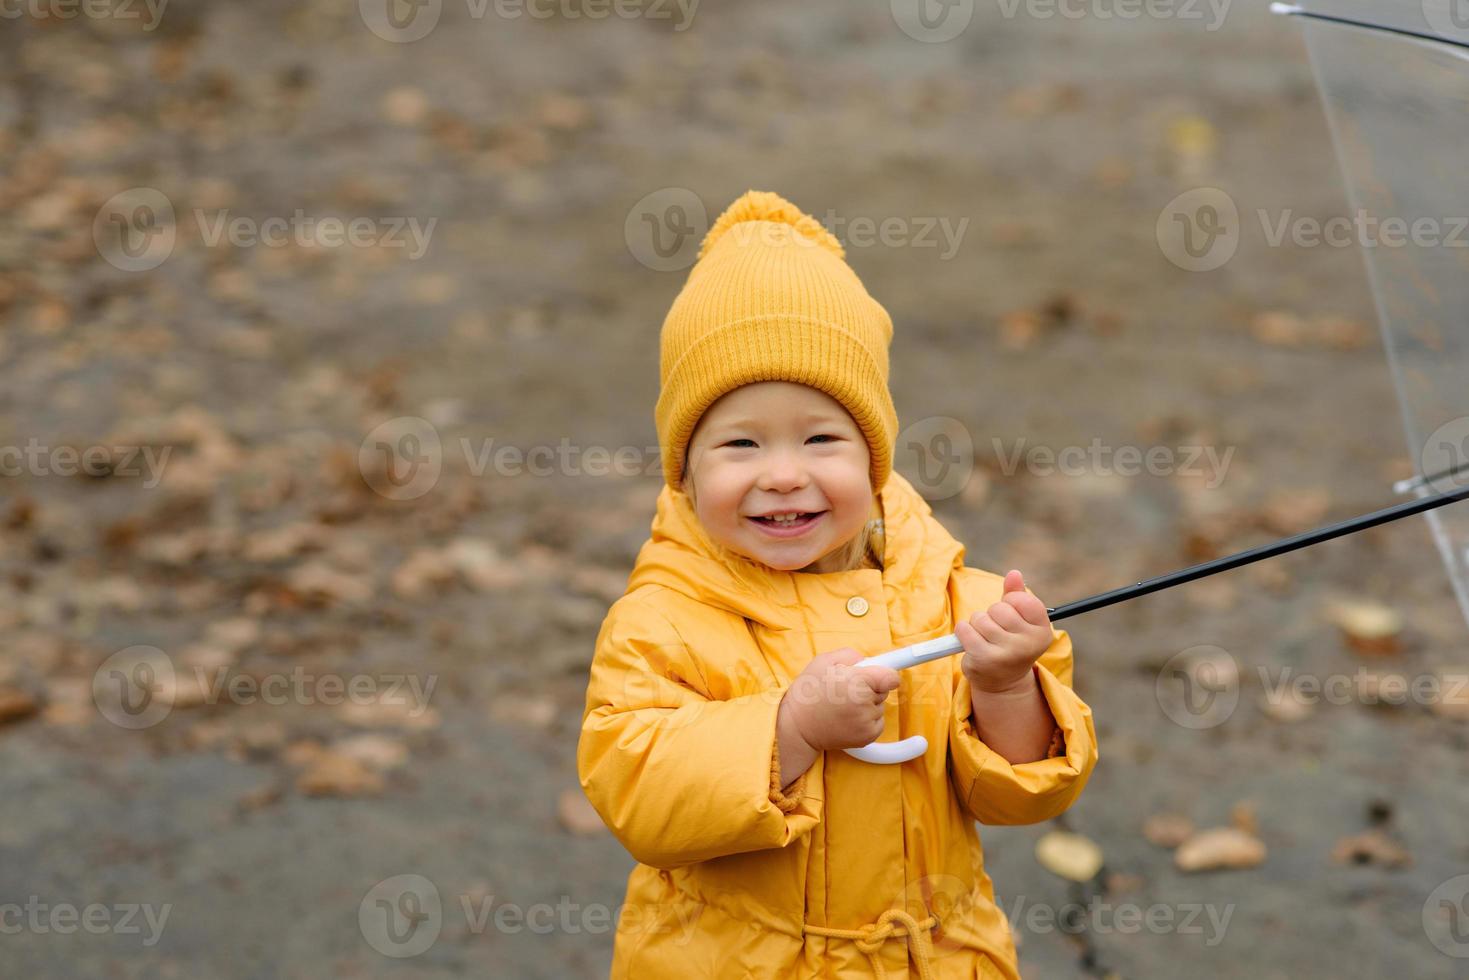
<point x="887" y="753"/>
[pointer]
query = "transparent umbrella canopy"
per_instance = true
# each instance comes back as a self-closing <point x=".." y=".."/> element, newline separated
<point x="1394" y="78"/>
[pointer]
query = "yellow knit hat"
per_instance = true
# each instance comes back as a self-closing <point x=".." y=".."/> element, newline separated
<point x="771" y="299"/>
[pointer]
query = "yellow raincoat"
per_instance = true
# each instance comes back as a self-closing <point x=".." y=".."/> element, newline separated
<point x="860" y="865"/>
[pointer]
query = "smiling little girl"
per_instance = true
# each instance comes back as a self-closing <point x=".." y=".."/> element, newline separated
<point x="785" y="549"/>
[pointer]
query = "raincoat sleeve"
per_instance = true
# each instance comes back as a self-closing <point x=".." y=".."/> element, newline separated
<point x="678" y="776"/>
<point x="993" y="791"/>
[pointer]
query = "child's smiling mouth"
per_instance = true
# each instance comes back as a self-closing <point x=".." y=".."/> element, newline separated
<point x="788" y="529"/>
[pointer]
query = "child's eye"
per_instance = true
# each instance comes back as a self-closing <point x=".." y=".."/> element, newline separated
<point x="734" y="442"/>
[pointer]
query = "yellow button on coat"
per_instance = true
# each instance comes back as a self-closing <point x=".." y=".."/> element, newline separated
<point x="857" y="606"/>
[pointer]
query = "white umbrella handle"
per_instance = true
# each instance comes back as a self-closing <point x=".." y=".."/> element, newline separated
<point x="887" y="753"/>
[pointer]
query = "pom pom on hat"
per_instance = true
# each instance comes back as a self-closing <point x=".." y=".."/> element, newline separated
<point x="769" y="206"/>
<point x="760" y="304"/>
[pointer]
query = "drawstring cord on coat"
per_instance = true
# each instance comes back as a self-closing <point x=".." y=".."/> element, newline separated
<point x="871" y="937"/>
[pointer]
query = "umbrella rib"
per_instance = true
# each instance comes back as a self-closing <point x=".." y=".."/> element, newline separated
<point x="1296" y="11"/>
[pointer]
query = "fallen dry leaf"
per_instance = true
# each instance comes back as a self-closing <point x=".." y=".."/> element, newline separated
<point x="425" y="570"/>
<point x="1168" y="829"/>
<point x="1072" y="856"/>
<point x="377" y="752"/>
<point x="1279" y="329"/>
<point x="1020" y="329"/>
<point x="300" y="754"/>
<point x="405" y="712"/>
<point x="232" y="635"/>
<point x="481" y="565"/>
<point x="528" y="711"/>
<point x="319" y="582"/>
<point x="1217" y="848"/>
<point x="1371" y="847"/>
<point x="405" y="106"/>
<point x="336" y="774"/>
<point x="16" y="704"/>
<point x="1368" y="627"/>
<point x="283" y="542"/>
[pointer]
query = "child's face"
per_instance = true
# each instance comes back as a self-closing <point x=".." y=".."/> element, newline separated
<point x="778" y="447"/>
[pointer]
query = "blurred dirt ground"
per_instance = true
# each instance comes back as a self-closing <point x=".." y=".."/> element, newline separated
<point x="272" y="832"/>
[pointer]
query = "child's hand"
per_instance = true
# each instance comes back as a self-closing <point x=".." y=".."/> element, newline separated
<point x="1001" y="643"/>
<point x="832" y="705"/>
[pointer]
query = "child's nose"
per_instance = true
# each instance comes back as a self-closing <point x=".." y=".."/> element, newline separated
<point x="784" y="471"/>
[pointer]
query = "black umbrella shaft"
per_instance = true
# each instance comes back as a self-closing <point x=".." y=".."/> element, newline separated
<point x="1256" y="554"/>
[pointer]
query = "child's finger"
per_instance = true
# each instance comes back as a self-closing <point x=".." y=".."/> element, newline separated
<point x="846" y="656"/>
<point x="968" y="635"/>
<point x="881" y="680"/>
<point x="987" y="628"/>
<point x="1008" y="617"/>
<point x="1029" y="606"/>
